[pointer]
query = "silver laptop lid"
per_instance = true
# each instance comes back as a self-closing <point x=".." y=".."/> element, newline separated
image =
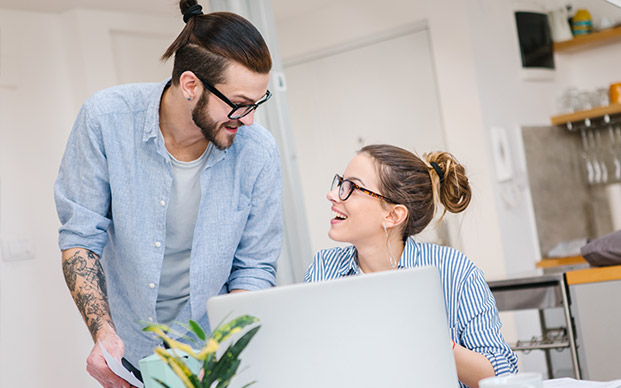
<point x="385" y="329"/>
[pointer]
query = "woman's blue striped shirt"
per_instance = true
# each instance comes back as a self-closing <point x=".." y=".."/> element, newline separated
<point x="470" y="306"/>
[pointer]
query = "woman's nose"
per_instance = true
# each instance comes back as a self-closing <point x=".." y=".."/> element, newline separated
<point x="332" y="195"/>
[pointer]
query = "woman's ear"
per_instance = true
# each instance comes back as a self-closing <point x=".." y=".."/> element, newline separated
<point x="396" y="217"/>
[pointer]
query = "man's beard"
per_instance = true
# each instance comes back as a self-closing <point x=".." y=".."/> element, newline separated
<point x="210" y="128"/>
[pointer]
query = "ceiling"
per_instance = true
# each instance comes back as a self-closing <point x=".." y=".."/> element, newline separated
<point x="282" y="8"/>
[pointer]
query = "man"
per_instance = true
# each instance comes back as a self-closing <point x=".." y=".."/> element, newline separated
<point x="168" y="194"/>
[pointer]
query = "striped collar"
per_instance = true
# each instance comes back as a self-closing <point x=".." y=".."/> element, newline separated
<point x="409" y="258"/>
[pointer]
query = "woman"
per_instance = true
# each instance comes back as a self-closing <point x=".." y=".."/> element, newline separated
<point x="387" y="195"/>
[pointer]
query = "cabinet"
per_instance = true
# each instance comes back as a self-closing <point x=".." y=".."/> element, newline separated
<point x="540" y="293"/>
<point x="596" y="306"/>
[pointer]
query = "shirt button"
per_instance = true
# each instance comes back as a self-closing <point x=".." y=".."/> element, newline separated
<point x="163" y="203"/>
<point x="151" y="285"/>
<point x="150" y="319"/>
<point x="158" y="244"/>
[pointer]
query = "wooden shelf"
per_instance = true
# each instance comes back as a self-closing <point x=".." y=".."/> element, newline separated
<point x="586" y="114"/>
<point x="594" y="39"/>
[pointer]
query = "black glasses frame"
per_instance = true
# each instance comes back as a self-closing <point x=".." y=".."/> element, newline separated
<point x="246" y="108"/>
<point x="338" y="182"/>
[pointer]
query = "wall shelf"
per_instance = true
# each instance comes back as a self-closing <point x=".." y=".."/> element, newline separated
<point x="594" y="39"/>
<point x="583" y="115"/>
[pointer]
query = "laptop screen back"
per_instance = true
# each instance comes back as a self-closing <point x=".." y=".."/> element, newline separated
<point x="385" y="329"/>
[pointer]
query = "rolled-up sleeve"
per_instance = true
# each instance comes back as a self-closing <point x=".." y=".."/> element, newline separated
<point x="82" y="190"/>
<point x="254" y="262"/>
<point x="481" y="324"/>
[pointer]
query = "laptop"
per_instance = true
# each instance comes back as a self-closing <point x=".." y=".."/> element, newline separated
<point x="384" y="329"/>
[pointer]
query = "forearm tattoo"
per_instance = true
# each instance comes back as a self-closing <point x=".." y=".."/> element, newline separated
<point x="86" y="281"/>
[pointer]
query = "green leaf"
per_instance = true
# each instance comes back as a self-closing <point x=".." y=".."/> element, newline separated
<point x="183" y="372"/>
<point x="241" y="343"/>
<point x="217" y="372"/>
<point x="198" y="330"/>
<point x="209" y="363"/>
<point x="153" y="327"/>
<point x="224" y="332"/>
<point x="226" y="368"/>
<point x="189" y="329"/>
<point x="229" y="373"/>
<point x="182" y="335"/>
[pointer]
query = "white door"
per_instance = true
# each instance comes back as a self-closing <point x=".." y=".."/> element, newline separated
<point x="370" y="92"/>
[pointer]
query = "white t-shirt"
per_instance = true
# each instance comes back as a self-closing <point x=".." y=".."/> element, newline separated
<point x="183" y="205"/>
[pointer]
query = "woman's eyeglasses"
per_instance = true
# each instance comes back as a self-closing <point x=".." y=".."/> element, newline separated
<point x="346" y="187"/>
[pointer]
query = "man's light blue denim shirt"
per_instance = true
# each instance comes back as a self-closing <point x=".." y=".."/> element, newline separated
<point x="112" y="194"/>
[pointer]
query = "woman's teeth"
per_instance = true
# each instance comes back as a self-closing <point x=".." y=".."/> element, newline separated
<point x="338" y="215"/>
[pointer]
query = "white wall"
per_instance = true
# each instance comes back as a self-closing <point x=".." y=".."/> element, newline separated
<point x="335" y="111"/>
<point x="478" y="232"/>
<point x="479" y="77"/>
<point x="509" y="101"/>
<point x="34" y="120"/>
<point x="50" y="63"/>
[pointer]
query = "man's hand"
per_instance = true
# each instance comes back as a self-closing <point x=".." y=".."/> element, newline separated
<point x="96" y="364"/>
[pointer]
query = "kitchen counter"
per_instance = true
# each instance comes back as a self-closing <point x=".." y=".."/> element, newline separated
<point x="561" y="262"/>
<point x="588" y="298"/>
<point x="596" y="308"/>
<point x="593" y="275"/>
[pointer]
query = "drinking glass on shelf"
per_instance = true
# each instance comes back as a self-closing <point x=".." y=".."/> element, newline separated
<point x="584" y="100"/>
<point x="614" y="148"/>
<point x="585" y="155"/>
<point x="600" y="157"/>
<point x="599" y="97"/>
<point x="569" y="101"/>
<point x="597" y="170"/>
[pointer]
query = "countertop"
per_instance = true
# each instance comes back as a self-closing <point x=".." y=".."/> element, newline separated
<point x="578" y="271"/>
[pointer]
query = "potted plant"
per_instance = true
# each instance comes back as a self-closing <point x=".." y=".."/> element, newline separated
<point x="201" y="368"/>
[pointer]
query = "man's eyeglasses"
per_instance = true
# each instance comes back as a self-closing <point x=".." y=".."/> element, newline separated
<point x="346" y="187"/>
<point x="239" y="110"/>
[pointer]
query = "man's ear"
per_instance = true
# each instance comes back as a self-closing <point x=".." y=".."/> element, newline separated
<point x="396" y="217"/>
<point x="189" y="85"/>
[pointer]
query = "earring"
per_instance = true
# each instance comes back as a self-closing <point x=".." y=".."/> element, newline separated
<point x="189" y="98"/>
<point x="393" y="261"/>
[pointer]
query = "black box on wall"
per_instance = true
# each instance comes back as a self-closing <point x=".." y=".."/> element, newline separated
<point x="536" y="45"/>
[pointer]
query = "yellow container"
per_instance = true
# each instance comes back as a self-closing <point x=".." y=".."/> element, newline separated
<point x="582" y="24"/>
